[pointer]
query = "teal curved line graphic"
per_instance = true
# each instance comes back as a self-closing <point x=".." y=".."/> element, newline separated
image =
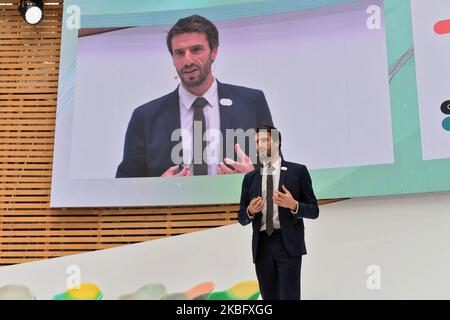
<point x="399" y="63"/>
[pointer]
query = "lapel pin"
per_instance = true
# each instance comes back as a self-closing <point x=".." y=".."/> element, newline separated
<point x="283" y="168"/>
<point x="226" y="102"/>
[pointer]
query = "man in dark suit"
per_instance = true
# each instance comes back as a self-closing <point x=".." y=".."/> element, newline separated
<point x="275" y="198"/>
<point x="192" y="120"/>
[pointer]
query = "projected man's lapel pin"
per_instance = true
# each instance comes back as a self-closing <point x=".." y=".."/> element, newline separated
<point x="226" y="102"/>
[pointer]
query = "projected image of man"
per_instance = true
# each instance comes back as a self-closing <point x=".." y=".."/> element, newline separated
<point x="185" y="132"/>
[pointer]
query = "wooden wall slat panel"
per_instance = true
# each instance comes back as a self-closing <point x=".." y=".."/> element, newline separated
<point x="27" y="77"/>
<point x="32" y="134"/>
<point x="29" y="229"/>
<point x="79" y="239"/>
<point x="115" y="218"/>
<point x="112" y="232"/>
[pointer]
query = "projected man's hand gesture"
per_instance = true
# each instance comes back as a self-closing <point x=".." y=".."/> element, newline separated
<point x="176" y="171"/>
<point x="231" y="166"/>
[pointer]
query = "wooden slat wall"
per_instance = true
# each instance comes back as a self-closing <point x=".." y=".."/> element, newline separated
<point x="29" y="229"/>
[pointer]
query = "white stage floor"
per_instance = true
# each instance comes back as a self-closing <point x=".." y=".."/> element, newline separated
<point x="406" y="237"/>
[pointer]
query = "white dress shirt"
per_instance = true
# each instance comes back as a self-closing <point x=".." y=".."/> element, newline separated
<point x="212" y="119"/>
<point x="276" y="181"/>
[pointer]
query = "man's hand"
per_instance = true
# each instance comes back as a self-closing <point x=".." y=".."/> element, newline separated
<point x="239" y="167"/>
<point x="172" y="172"/>
<point x="284" y="199"/>
<point x="255" y="206"/>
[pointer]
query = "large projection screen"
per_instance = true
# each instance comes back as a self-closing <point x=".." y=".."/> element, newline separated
<point x="326" y="70"/>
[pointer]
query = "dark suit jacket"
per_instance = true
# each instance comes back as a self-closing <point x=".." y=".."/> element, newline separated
<point x="148" y="145"/>
<point x="298" y="181"/>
